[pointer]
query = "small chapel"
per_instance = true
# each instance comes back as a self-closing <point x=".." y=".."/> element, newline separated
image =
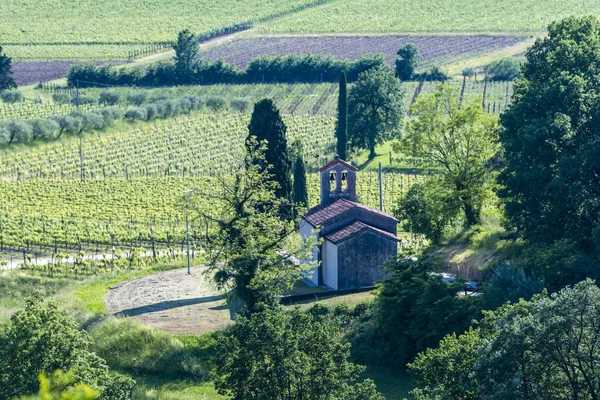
<point x="357" y="239"/>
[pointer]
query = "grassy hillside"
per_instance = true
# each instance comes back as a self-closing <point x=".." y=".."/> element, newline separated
<point x="431" y="16"/>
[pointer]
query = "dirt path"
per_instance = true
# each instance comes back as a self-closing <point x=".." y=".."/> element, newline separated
<point x="172" y="301"/>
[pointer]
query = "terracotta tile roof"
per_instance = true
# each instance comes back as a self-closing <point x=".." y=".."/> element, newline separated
<point x="324" y="212"/>
<point x="338" y="161"/>
<point x="349" y="230"/>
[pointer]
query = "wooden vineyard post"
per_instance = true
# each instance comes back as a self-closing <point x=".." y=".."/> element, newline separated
<point x="484" y="93"/>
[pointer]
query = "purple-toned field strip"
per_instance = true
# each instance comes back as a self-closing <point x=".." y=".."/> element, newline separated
<point x="32" y="72"/>
<point x="433" y="49"/>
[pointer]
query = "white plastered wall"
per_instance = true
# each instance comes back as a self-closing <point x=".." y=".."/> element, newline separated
<point x="306" y="230"/>
<point x="330" y="265"/>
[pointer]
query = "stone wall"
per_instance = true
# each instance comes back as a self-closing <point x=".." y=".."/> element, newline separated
<point x="359" y="259"/>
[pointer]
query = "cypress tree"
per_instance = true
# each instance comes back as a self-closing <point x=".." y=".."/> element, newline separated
<point x="341" y="130"/>
<point x="6" y="80"/>
<point x="266" y="124"/>
<point x="300" y="189"/>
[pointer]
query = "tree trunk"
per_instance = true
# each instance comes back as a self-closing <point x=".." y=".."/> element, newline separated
<point x="471" y="214"/>
<point x="372" y="153"/>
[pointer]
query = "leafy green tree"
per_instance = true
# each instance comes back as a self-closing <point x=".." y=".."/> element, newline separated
<point x="341" y="128"/>
<point x="375" y="109"/>
<point x="461" y="141"/>
<point x="300" y="186"/>
<point x="446" y="371"/>
<point x="505" y="69"/>
<point x="40" y="339"/>
<point x="468" y="72"/>
<point x="12" y="96"/>
<point x="427" y="209"/>
<point x="267" y="126"/>
<point x="251" y="248"/>
<point x="414" y="310"/>
<point x="507" y="283"/>
<point x="186" y="55"/>
<point x="547" y="348"/>
<point x="408" y="62"/>
<point x="60" y="386"/>
<point x="278" y="354"/>
<point x="6" y="80"/>
<point x="550" y="139"/>
<point x="18" y="132"/>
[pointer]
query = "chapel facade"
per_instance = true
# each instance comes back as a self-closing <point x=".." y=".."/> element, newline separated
<point x="357" y="239"/>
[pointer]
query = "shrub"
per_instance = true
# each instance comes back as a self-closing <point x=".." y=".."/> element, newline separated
<point x="240" y="105"/>
<point x="11" y="96"/>
<point x="505" y="69"/>
<point x="109" y="98"/>
<point x="468" y="72"/>
<point x="135" y="114"/>
<point x="151" y="112"/>
<point x="435" y="73"/>
<point x="507" y="283"/>
<point x="137" y="98"/>
<point x="61" y="98"/>
<point x="110" y="115"/>
<point x="40" y="338"/>
<point x="216" y="103"/>
<point x="195" y="102"/>
<point x="44" y="129"/>
<point x="86" y="99"/>
<point x="18" y="132"/>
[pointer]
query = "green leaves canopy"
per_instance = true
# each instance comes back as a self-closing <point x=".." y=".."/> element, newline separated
<point x="375" y="109"/>
<point x="299" y="355"/>
<point x="460" y="140"/>
<point x="551" y="138"/>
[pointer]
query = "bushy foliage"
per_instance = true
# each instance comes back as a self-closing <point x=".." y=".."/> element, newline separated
<point x="546" y="348"/>
<point x="375" y="109"/>
<point x="291" y="354"/>
<point x="41" y="339"/>
<point x="461" y="141"/>
<point x="109" y="98"/>
<point x="507" y="283"/>
<point x="61" y="98"/>
<point x="414" y="310"/>
<point x="408" y="62"/>
<point x="505" y="69"/>
<point x="6" y="80"/>
<point x="44" y="129"/>
<point x="550" y="139"/>
<point x="240" y="105"/>
<point x="468" y="72"/>
<point x="435" y="74"/>
<point x="267" y="128"/>
<point x="135" y="114"/>
<point x="244" y="236"/>
<point x="216" y="103"/>
<point x="137" y="98"/>
<point x="427" y="209"/>
<point x="11" y="96"/>
<point x="281" y="69"/>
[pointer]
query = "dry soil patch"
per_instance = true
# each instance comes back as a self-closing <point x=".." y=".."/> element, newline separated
<point x="172" y="301"/>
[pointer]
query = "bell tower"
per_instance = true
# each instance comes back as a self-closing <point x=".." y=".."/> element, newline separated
<point x="338" y="181"/>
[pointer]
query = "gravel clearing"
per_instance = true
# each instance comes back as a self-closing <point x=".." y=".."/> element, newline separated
<point x="172" y="301"/>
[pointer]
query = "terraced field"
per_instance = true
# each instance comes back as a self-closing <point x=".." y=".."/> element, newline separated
<point x="433" y="49"/>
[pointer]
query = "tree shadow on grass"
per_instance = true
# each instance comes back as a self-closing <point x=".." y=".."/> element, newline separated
<point x="168" y="305"/>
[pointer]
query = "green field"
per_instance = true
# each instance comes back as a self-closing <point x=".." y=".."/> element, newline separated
<point x="431" y="16"/>
<point x="109" y="25"/>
